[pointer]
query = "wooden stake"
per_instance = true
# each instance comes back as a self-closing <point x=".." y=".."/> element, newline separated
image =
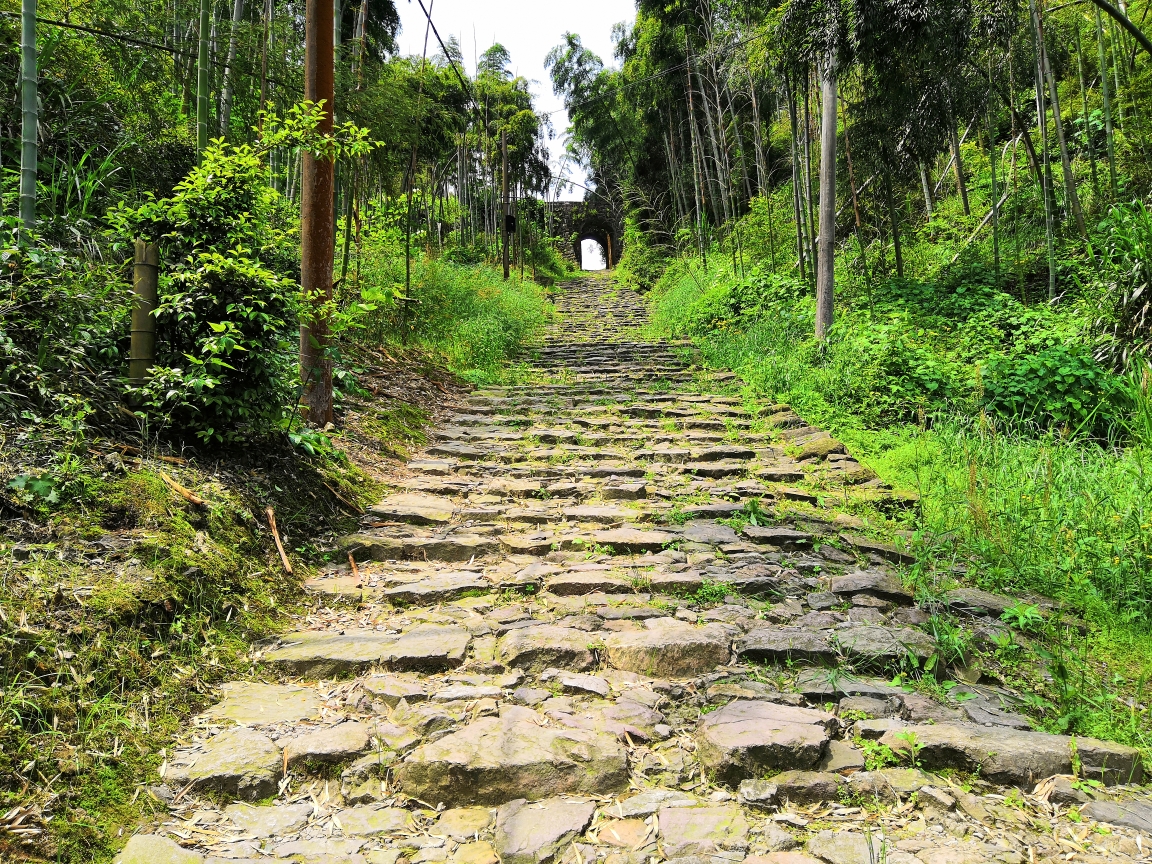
<point x="271" y="514"/>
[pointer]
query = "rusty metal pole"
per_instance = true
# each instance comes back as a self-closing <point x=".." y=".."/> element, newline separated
<point x="317" y="212"/>
<point x="145" y="284"/>
<point x="504" y="150"/>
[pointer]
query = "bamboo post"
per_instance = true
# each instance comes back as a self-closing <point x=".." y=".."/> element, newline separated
<point x="30" y="115"/>
<point x="145" y="284"/>
<point x="202" y="80"/>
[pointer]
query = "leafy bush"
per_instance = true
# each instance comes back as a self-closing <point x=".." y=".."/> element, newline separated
<point x="642" y="264"/>
<point x="62" y="321"/>
<point x="1125" y="322"/>
<point x="906" y="377"/>
<point x="228" y="300"/>
<point x="1062" y="387"/>
<point x="734" y="305"/>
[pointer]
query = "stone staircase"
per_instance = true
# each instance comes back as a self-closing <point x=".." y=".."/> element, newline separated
<point x="607" y="616"/>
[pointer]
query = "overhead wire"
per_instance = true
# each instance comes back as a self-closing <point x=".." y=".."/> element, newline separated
<point x="144" y="43"/>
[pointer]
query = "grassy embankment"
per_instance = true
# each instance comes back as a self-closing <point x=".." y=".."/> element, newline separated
<point x="123" y="604"/>
<point x="963" y="384"/>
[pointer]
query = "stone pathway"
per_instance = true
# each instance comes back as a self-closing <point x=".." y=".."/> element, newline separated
<point x="604" y="619"/>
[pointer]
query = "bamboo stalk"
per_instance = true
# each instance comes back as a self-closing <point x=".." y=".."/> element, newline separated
<point x="203" y="80"/>
<point x="1046" y="177"/>
<point x="229" y="70"/>
<point x="30" y="115"/>
<point x="1065" y="162"/>
<point x="1107" y="100"/>
<point x="187" y="494"/>
<point x="1087" y="129"/>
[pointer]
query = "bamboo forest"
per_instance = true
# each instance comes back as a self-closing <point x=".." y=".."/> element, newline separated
<point x="628" y="432"/>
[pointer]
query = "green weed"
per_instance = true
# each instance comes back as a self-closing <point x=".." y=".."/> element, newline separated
<point x="712" y="592"/>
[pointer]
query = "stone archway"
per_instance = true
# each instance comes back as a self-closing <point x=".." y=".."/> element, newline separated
<point x="603" y="239"/>
<point x="591" y="253"/>
<point x="583" y="220"/>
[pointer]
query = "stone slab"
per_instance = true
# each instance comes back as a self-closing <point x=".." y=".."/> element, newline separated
<point x="781" y="644"/>
<point x="320" y="654"/>
<point x="702" y="830"/>
<point x="1015" y="758"/>
<point x="153" y="849"/>
<point x="251" y="703"/>
<point x="438" y="588"/>
<point x="534" y="833"/>
<point x="678" y="650"/>
<point x="415" y="508"/>
<point x="239" y="762"/>
<point x="537" y="648"/>
<point x="747" y="738"/>
<point x="497" y="759"/>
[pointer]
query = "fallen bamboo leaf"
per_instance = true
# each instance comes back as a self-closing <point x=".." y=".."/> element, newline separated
<point x="276" y="536"/>
<point x="187" y="494"/>
<point x="352" y="507"/>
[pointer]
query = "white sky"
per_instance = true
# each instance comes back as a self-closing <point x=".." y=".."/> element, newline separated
<point x="529" y="29"/>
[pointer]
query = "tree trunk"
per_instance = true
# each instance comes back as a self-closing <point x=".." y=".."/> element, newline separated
<point x="797" y="199"/>
<point x="927" y="191"/>
<point x="30" y="115"/>
<point x="892" y="214"/>
<point x="958" y="165"/>
<point x="1065" y="162"/>
<point x="699" y="199"/>
<point x="1087" y="128"/>
<point x="1046" y="182"/>
<point x="358" y="48"/>
<point x="1107" y="106"/>
<point x="212" y="55"/>
<point x="230" y="70"/>
<point x="349" y="198"/>
<point x="713" y="139"/>
<point x="504" y="198"/>
<point x="316" y="208"/>
<point x="852" y="187"/>
<point x="995" y="190"/>
<point x="203" y="78"/>
<point x="826" y="278"/>
<point x="809" y="204"/>
<point x="758" y="139"/>
<point x="1119" y="100"/>
<point x="187" y="70"/>
<point x="264" y="59"/>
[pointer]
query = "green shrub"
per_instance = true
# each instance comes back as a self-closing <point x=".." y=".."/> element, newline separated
<point x="466" y="313"/>
<point x="642" y="264"/>
<point x="228" y="307"/>
<point x="1062" y="387"/>
<point x="1125" y="321"/>
<point x="741" y="303"/>
<point x="63" y="318"/>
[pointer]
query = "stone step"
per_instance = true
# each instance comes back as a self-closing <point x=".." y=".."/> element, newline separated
<point x="565" y="642"/>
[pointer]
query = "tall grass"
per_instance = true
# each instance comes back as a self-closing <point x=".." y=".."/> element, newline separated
<point x="1040" y="514"/>
<point x="465" y="313"/>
